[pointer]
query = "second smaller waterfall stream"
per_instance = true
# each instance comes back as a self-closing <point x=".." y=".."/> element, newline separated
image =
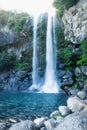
<point x="35" y="60"/>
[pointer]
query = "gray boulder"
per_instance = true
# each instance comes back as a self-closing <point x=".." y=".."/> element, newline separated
<point x="50" y="124"/>
<point x="77" y="71"/>
<point x="67" y="81"/>
<point x="73" y="91"/>
<point x="64" y="110"/>
<point x="74" y="104"/>
<point x="85" y="88"/>
<point x="2" y="126"/>
<point x="53" y="114"/>
<point x="43" y="128"/>
<point x="84" y="70"/>
<point x="39" y="122"/>
<point x="76" y="121"/>
<point x="81" y="95"/>
<point x="24" y="125"/>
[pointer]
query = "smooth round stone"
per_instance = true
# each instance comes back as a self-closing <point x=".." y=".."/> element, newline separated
<point x="74" y="104"/>
<point x="81" y="95"/>
<point x="64" y="110"/>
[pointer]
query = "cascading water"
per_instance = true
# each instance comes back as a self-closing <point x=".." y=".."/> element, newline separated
<point x="35" y="61"/>
<point x="54" y="41"/>
<point x="50" y="85"/>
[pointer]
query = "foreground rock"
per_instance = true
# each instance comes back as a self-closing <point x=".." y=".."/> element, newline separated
<point x="64" y="110"/>
<point x="74" y="104"/>
<point x="24" y="125"/>
<point x="81" y="95"/>
<point x="50" y="124"/>
<point x="76" y="121"/>
<point x="39" y="122"/>
<point x="2" y="126"/>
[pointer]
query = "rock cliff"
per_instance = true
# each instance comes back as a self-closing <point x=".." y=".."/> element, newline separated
<point x="75" y="22"/>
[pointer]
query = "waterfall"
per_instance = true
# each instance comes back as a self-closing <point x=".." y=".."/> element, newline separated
<point x="35" y="58"/>
<point x="50" y="85"/>
<point x="54" y="42"/>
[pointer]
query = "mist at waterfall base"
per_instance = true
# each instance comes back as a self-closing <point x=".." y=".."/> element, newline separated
<point x="50" y="85"/>
<point x="19" y="105"/>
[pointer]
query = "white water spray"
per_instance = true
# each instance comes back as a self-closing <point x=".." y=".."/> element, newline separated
<point x="50" y="85"/>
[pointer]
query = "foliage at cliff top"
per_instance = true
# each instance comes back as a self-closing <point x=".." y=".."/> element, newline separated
<point x="14" y="20"/>
<point x="63" y="4"/>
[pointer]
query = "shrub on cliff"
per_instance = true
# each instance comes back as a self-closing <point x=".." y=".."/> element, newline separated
<point x="7" y="60"/>
<point x="83" y="57"/>
<point x="66" y="56"/>
<point x="18" y="21"/>
<point x="25" y="62"/>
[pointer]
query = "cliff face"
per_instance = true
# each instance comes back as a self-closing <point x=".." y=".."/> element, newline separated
<point x="14" y="36"/>
<point x="75" y="22"/>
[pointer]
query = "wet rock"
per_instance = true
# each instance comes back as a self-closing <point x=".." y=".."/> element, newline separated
<point x="66" y="90"/>
<point x="80" y="85"/>
<point x="85" y="88"/>
<point x="16" y="81"/>
<point x="74" y="104"/>
<point x="73" y="91"/>
<point x="61" y="66"/>
<point x="84" y="70"/>
<point x="81" y="95"/>
<point x="67" y="81"/>
<point x="61" y="73"/>
<point x="64" y="110"/>
<point x="77" y="72"/>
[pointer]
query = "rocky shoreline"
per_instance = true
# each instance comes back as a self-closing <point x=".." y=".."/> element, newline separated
<point x="70" y="117"/>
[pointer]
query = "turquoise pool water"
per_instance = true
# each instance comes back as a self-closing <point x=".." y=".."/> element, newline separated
<point x="26" y="105"/>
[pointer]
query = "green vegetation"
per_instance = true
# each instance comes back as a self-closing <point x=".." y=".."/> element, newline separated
<point x="66" y="56"/>
<point x="83" y="57"/>
<point x="63" y="4"/>
<point x="7" y="60"/>
<point x="64" y="52"/>
<point x="56" y="116"/>
<point x="75" y="86"/>
<point x="25" y="61"/>
<point x="18" y="22"/>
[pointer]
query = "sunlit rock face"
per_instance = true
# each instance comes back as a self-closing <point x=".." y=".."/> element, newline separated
<point x="75" y="22"/>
